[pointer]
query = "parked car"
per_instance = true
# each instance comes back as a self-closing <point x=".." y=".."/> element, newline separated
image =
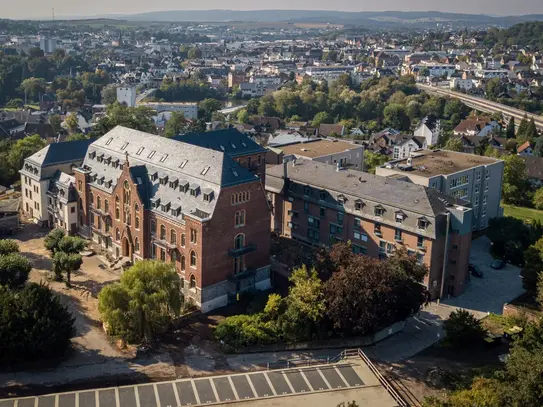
<point x="475" y="271"/>
<point x="497" y="264"/>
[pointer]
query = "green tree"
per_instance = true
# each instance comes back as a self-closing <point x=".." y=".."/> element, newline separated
<point x="454" y="144"/>
<point x="143" y="304"/>
<point x="14" y="270"/>
<point x="267" y="106"/>
<point x="322" y="118"/>
<point x="538" y="199"/>
<point x="538" y="147"/>
<point x="15" y="103"/>
<point x="33" y="324"/>
<point x="522" y="129"/>
<point x="55" y="121"/>
<point x="462" y="329"/>
<point x="76" y="137"/>
<point x="137" y="118"/>
<point x="207" y="107"/>
<point x="194" y="53"/>
<point x="494" y="88"/>
<point x="8" y="246"/>
<point x="175" y="125"/>
<point x="252" y="106"/>
<point x="52" y="240"/>
<point x="72" y="123"/>
<point x="510" y="131"/>
<point x="396" y="117"/>
<point x="109" y="94"/>
<point x="23" y="149"/>
<point x="243" y="116"/>
<point x="508" y="230"/>
<point x="304" y="305"/>
<point x="373" y="160"/>
<point x="533" y="266"/>
<point x="66" y="263"/>
<point x="515" y="182"/>
<point x="33" y="87"/>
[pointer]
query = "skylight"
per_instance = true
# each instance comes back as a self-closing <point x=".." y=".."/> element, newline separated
<point x="140" y="150"/>
<point x="163" y="158"/>
<point x="183" y="163"/>
<point x="109" y="141"/>
<point x="124" y="146"/>
<point x="205" y="170"/>
<point x="151" y="154"/>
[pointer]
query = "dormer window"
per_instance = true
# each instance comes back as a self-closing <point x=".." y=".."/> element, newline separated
<point x="322" y="195"/>
<point x="379" y="211"/>
<point x="175" y="211"/>
<point x="208" y="196"/>
<point x="183" y="186"/>
<point x="194" y="189"/>
<point x="307" y="190"/>
<point x="400" y="216"/>
<point x="341" y="200"/>
<point x="164" y="180"/>
<point x="92" y="154"/>
<point x="156" y="203"/>
<point x="358" y="204"/>
<point x="100" y="158"/>
<point x="154" y="176"/>
<point x="116" y="163"/>
<point x="173" y="183"/>
<point x="423" y="223"/>
<point x="165" y="207"/>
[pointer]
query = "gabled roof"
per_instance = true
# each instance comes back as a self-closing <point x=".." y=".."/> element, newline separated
<point x="523" y="147"/>
<point x="56" y="153"/>
<point x="229" y="141"/>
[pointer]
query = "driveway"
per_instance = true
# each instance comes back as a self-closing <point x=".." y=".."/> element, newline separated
<point x="497" y="287"/>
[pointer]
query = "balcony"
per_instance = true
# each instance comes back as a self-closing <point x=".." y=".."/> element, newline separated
<point x="242" y="250"/>
<point x="163" y="243"/>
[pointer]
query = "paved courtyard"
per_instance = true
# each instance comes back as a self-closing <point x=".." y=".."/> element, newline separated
<point x="347" y="375"/>
<point x="497" y="287"/>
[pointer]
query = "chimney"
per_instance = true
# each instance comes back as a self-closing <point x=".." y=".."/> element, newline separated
<point x="285" y="172"/>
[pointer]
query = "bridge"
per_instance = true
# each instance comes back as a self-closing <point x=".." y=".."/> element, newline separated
<point x="484" y="105"/>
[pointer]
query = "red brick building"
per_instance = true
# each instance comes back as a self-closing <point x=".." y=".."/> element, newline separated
<point x="321" y="205"/>
<point x="196" y="200"/>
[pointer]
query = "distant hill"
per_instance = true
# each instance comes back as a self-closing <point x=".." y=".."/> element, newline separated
<point x="325" y="16"/>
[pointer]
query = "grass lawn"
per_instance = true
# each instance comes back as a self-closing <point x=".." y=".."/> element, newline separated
<point x="525" y="214"/>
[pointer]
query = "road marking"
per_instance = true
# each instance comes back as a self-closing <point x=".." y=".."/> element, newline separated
<point x="96" y="398"/>
<point x="176" y="394"/>
<point x="288" y="382"/>
<point x="56" y="400"/>
<point x="233" y="387"/>
<point x="157" y="397"/>
<point x="117" y="401"/>
<point x="195" y="392"/>
<point x="76" y="399"/>
<point x="251" y="385"/>
<point x="215" y="390"/>
<point x="270" y="384"/>
<point x="137" y="395"/>
<point x="341" y="377"/>
<point x="324" y="378"/>
<point x="306" y="380"/>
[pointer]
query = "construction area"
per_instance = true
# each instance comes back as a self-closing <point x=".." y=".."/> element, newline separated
<point x="349" y="377"/>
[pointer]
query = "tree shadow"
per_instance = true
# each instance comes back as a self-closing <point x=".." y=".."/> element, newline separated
<point x="30" y="231"/>
<point x="39" y="261"/>
<point x="91" y="287"/>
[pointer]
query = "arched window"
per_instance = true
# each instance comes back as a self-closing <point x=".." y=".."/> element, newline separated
<point x="153" y="227"/>
<point x="192" y="258"/>
<point x="137" y="245"/>
<point x="117" y="234"/>
<point x="106" y="205"/>
<point x="174" y="256"/>
<point x="136" y="207"/>
<point x="238" y="218"/>
<point x="183" y="263"/>
<point x="162" y="232"/>
<point x="137" y="222"/>
<point x="192" y="281"/>
<point x="117" y="213"/>
<point x="242" y="218"/>
<point x="183" y="241"/>
<point x="98" y="203"/>
<point x="91" y="198"/>
<point x="173" y="237"/>
<point x="117" y="200"/>
<point x="239" y="241"/>
<point x="126" y="193"/>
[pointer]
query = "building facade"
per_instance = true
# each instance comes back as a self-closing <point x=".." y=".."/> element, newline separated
<point x="320" y="205"/>
<point x="476" y="179"/>
<point x="142" y="196"/>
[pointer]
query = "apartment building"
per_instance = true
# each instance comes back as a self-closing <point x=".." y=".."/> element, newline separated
<point x="203" y="208"/>
<point x="476" y="179"/>
<point x="333" y="152"/>
<point x="45" y="176"/>
<point x="320" y="205"/>
<point x="189" y="110"/>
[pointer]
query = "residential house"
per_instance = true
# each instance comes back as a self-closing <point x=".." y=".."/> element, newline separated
<point x="429" y="129"/>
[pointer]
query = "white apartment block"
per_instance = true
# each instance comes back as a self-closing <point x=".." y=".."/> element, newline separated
<point x="189" y="110"/>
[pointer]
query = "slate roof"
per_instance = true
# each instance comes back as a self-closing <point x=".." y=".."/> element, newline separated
<point x="56" y="153"/>
<point x="230" y="141"/>
<point x="163" y="168"/>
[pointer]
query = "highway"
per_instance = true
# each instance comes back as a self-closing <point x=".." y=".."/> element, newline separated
<point x="484" y="105"/>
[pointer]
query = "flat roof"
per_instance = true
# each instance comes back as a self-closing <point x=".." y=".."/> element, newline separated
<point x="318" y="148"/>
<point x="428" y="163"/>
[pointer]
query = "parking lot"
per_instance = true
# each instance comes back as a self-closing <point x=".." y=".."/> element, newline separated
<point x="219" y="389"/>
<point x="497" y="287"/>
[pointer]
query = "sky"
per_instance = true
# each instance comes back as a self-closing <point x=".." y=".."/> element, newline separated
<point x="21" y="9"/>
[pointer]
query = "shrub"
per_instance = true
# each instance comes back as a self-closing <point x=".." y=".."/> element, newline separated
<point x="245" y="330"/>
<point x="463" y="329"/>
<point x="8" y="246"/>
<point x="33" y="324"/>
<point x="14" y="270"/>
